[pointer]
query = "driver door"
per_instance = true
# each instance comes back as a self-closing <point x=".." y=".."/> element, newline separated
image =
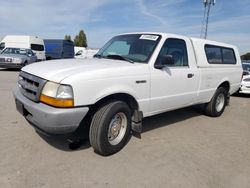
<point x="175" y="85"/>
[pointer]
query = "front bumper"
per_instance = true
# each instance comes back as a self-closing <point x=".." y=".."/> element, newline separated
<point x="11" y="65"/>
<point x="245" y="88"/>
<point x="49" y="120"/>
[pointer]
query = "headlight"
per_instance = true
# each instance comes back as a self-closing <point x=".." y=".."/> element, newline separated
<point x="9" y="60"/>
<point x="17" y="60"/>
<point x="57" y="95"/>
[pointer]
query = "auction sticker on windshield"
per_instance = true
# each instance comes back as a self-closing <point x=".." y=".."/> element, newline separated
<point x="149" y="37"/>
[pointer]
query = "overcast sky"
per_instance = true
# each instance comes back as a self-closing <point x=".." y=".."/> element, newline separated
<point x="101" y="19"/>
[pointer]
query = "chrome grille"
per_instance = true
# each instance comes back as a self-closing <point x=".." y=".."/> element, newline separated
<point x="2" y="60"/>
<point x="30" y="85"/>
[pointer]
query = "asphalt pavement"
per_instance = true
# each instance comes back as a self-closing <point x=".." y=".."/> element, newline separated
<point x="178" y="149"/>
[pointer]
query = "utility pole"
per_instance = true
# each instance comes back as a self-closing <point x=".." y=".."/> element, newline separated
<point x="207" y="5"/>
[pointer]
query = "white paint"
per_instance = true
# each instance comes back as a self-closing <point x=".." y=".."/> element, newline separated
<point x="165" y="89"/>
<point x="82" y="52"/>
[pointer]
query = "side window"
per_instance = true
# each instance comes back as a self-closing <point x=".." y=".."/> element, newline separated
<point x="213" y="54"/>
<point x="175" y="48"/>
<point x="31" y="53"/>
<point x="37" y="47"/>
<point x="79" y="53"/>
<point x="2" y="46"/>
<point x="219" y="55"/>
<point x="228" y="56"/>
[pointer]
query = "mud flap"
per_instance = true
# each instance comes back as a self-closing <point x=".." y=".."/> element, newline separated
<point x="228" y="99"/>
<point x="137" y="121"/>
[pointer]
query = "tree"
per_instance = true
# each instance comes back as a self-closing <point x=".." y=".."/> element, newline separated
<point x="76" y="40"/>
<point x="246" y="56"/>
<point x="81" y="39"/>
<point x="67" y="37"/>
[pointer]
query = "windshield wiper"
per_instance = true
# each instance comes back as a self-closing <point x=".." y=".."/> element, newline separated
<point x="98" y="56"/>
<point x="119" y="57"/>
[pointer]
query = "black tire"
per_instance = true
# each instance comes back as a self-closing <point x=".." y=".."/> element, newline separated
<point x="211" y="108"/>
<point x="100" y="127"/>
<point x="25" y="63"/>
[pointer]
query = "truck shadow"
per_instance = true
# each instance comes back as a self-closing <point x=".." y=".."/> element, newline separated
<point x="9" y="70"/>
<point x="150" y="123"/>
<point x="242" y="95"/>
<point x="62" y="143"/>
<point x="168" y="118"/>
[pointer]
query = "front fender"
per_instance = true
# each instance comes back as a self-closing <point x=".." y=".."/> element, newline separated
<point x="90" y="92"/>
<point x="115" y="89"/>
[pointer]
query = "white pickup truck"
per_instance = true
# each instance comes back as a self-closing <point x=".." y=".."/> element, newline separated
<point x="133" y="76"/>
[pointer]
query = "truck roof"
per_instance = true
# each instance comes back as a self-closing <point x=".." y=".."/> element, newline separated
<point x="19" y="37"/>
<point x="194" y="39"/>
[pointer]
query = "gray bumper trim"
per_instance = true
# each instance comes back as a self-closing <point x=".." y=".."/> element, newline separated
<point x="11" y="65"/>
<point x="50" y="120"/>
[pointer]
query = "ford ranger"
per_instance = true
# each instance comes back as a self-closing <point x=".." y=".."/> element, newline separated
<point x="133" y="76"/>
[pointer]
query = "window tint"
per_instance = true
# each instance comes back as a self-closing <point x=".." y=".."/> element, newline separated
<point x="175" y="48"/>
<point x="219" y="55"/>
<point x="37" y="47"/>
<point x="118" y="47"/>
<point x="136" y="47"/>
<point x="30" y="52"/>
<point x="2" y="46"/>
<point x="21" y="51"/>
<point x="79" y="53"/>
<point x="228" y="56"/>
<point x="213" y="54"/>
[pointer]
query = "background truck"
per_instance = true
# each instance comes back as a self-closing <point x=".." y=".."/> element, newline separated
<point x="133" y="76"/>
<point x="82" y="52"/>
<point x="58" y="49"/>
<point x="36" y="44"/>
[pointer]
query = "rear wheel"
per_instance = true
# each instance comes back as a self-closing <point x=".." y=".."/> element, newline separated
<point x="217" y="104"/>
<point x="110" y="128"/>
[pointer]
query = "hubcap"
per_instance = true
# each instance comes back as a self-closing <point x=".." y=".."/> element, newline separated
<point x="220" y="102"/>
<point x="117" y="128"/>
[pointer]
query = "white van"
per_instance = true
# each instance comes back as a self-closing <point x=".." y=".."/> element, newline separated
<point x="36" y="44"/>
<point x="82" y="52"/>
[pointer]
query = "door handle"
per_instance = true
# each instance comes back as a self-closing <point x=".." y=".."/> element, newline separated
<point x="190" y="75"/>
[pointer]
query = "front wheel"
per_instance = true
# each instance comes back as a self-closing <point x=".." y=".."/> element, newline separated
<point x="25" y="63"/>
<point x="110" y="128"/>
<point x="217" y="104"/>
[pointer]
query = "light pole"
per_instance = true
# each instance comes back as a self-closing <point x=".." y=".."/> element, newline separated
<point x="207" y="5"/>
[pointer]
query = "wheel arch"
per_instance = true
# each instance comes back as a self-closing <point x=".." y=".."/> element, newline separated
<point x="125" y="97"/>
<point x="225" y="84"/>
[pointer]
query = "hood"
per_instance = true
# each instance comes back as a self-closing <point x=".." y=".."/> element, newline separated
<point x="57" y="70"/>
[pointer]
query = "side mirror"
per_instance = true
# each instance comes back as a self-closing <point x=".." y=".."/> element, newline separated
<point x="165" y="60"/>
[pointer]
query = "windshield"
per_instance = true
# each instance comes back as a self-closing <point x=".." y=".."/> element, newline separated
<point x="2" y="45"/>
<point x="246" y="67"/>
<point x="132" y="47"/>
<point x="19" y="51"/>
